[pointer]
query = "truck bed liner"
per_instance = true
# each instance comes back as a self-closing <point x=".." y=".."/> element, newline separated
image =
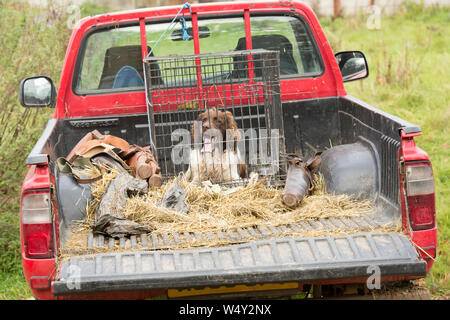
<point x="263" y="261"/>
<point x="176" y="240"/>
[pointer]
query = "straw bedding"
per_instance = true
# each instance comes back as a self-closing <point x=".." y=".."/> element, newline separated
<point x="215" y="208"/>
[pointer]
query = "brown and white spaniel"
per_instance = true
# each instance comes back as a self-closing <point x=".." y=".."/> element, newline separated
<point x="215" y="156"/>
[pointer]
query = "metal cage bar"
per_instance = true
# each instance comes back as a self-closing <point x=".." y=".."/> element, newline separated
<point x="183" y="89"/>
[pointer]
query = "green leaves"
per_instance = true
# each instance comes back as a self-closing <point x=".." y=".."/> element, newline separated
<point x="33" y="42"/>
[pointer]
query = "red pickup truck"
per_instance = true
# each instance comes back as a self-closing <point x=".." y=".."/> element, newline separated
<point x="368" y="145"/>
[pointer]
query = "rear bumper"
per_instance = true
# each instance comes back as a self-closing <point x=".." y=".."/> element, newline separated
<point x="274" y="260"/>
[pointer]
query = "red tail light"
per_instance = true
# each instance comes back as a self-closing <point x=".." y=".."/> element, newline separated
<point x="37" y="225"/>
<point x="420" y="195"/>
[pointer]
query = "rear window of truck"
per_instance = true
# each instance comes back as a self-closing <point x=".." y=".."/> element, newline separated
<point x="111" y="59"/>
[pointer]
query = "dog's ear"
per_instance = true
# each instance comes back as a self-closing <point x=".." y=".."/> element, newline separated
<point x="231" y="124"/>
<point x="242" y="170"/>
<point x="232" y="129"/>
<point x="201" y="115"/>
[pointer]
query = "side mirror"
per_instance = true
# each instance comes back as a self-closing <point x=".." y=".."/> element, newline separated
<point x="37" y="92"/>
<point x="353" y="65"/>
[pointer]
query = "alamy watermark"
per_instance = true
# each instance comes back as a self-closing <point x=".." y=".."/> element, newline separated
<point x="50" y="12"/>
<point x="374" y="20"/>
<point x="374" y="280"/>
<point x="74" y="13"/>
<point x="74" y="277"/>
<point x="263" y="145"/>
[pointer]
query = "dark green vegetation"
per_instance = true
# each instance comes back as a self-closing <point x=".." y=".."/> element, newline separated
<point x="33" y="42"/>
<point x="409" y="66"/>
<point x="409" y="63"/>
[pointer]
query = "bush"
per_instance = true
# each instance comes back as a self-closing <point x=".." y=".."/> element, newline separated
<point x="33" y="42"/>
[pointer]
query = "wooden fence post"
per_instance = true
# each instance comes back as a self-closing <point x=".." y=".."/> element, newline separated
<point x="337" y="8"/>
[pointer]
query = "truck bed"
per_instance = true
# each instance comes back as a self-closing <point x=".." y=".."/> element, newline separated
<point x="257" y="254"/>
<point x="175" y="240"/>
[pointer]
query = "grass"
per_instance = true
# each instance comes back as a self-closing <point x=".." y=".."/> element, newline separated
<point x="33" y="42"/>
<point x="409" y="67"/>
<point x="13" y="286"/>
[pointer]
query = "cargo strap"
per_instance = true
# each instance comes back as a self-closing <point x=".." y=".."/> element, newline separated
<point x="184" y="34"/>
<point x="183" y="26"/>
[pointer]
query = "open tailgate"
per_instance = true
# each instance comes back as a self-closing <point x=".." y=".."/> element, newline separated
<point x="264" y="261"/>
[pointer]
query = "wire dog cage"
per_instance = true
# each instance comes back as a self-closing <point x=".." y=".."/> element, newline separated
<point x="235" y="95"/>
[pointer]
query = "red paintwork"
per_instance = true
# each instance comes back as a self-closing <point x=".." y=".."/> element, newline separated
<point x="248" y="42"/>
<point x="411" y="152"/>
<point x="426" y="239"/>
<point x="423" y="238"/>
<point x="40" y="282"/>
<point x="69" y="105"/>
<point x="236" y="94"/>
<point x="143" y="37"/>
<point x="137" y="295"/>
<point x="38" y="177"/>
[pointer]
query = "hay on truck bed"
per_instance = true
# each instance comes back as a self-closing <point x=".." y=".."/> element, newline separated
<point x="212" y="210"/>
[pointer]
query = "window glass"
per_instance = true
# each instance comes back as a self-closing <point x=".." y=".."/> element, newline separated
<point x="113" y="60"/>
<point x="223" y="34"/>
<point x="172" y="43"/>
<point x="105" y="54"/>
<point x="288" y="35"/>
